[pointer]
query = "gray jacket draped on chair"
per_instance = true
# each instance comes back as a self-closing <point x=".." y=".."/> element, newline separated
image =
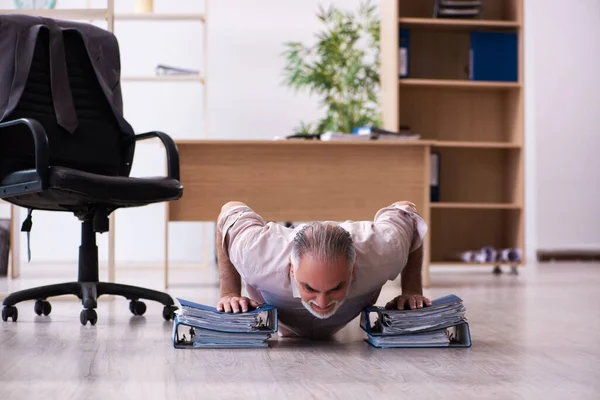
<point x="18" y="36"/>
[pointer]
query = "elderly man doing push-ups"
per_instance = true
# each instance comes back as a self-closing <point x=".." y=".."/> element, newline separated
<point x="319" y="275"/>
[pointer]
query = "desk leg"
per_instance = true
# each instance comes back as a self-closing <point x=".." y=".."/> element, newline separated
<point x="426" y="215"/>
<point x="15" y="243"/>
<point x="111" y="247"/>
<point x="207" y="250"/>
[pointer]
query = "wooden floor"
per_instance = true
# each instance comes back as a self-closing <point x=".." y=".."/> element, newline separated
<point x="535" y="336"/>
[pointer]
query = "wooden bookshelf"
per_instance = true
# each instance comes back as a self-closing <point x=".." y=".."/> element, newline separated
<point x="163" y="78"/>
<point x="456" y="23"/>
<point x="458" y="84"/>
<point x="477" y="206"/>
<point x="493" y="12"/>
<point x="160" y="17"/>
<point x="466" y="264"/>
<point x="95" y="14"/>
<point x="476" y="127"/>
<point x="83" y="14"/>
<point x="482" y="145"/>
<point x="14" y="264"/>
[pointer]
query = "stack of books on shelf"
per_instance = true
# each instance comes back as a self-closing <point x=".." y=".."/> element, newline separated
<point x="200" y="326"/>
<point x="457" y="8"/>
<point x="443" y="324"/>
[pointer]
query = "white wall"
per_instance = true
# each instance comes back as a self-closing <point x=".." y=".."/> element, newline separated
<point x="567" y="124"/>
<point x="531" y="12"/>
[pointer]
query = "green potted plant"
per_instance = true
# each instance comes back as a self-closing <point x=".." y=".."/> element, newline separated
<point x="342" y="68"/>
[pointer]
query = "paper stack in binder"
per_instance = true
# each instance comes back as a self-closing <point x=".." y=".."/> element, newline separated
<point x="200" y="326"/>
<point x="443" y="324"/>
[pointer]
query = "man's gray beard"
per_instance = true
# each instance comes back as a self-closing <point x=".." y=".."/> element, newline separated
<point x="323" y="316"/>
<point x="330" y="313"/>
<point x="338" y="304"/>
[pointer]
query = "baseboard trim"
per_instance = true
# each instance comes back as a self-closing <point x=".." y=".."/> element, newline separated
<point x="568" y="255"/>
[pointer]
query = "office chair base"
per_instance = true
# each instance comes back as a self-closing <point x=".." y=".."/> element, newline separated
<point x="88" y="315"/>
<point x="88" y="292"/>
<point x="10" y="312"/>
<point x="42" y="307"/>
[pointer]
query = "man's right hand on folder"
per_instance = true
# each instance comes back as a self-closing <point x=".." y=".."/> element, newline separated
<point x="236" y="304"/>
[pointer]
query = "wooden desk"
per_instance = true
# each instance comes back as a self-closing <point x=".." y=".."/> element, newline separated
<point x="299" y="180"/>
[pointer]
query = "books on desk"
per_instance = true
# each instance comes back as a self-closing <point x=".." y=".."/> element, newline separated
<point x="443" y="324"/>
<point x="200" y="326"/>
<point x="368" y="133"/>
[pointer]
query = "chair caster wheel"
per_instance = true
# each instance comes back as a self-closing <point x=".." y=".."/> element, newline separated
<point x="10" y="311"/>
<point x="88" y="315"/>
<point x="137" y="307"/>
<point x="42" y="307"/>
<point x="169" y="312"/>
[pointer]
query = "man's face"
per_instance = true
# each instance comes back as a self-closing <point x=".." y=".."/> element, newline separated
<point x="322" y="285"/>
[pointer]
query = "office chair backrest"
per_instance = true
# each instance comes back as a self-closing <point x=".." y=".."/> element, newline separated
<point x="97" y="145"/>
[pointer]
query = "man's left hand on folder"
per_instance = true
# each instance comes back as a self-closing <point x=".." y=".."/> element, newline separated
<point x="411" y="301"/>
<point x="236" y="304"/>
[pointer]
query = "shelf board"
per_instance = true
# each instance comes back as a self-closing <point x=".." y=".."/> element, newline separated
<point x="477" y="145"/>
<point x="160" y="17"/>
<point x="458" y="84"/>
<point x="476" y="206"/>
<point x="465" y="264"/>
<point x="164" y="78"/>
<point x="457" y="23"/>
<point x="92" y="14"/>
<point x="71" y="14"/>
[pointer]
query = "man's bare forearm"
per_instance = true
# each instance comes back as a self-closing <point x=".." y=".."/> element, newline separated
<point x="411" y="278"/>
<point x="229" y="279"/>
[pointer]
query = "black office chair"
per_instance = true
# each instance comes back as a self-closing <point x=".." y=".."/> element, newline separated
<point x="44" y="167"/>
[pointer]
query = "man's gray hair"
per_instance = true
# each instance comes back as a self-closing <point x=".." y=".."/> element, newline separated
<point x="326" y="241"/>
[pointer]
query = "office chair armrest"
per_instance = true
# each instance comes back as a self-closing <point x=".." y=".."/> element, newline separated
<point x="170" y="147"/>
<point x="40" y="142"/>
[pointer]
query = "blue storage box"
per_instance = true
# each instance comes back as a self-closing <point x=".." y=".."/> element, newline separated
<point x="494" y="56"/>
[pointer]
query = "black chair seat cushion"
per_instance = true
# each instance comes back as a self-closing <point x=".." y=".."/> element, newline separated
<point x="70" y="189"/>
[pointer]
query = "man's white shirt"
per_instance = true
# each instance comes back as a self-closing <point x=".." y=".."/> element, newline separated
<point x="260" y="252"/>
